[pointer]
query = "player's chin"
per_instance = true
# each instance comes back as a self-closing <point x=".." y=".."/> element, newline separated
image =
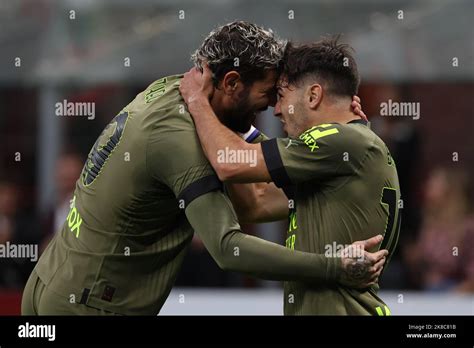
<point x="250" y="122"/>
<point x="244" y="127"/>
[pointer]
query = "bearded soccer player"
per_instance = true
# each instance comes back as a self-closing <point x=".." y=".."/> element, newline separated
<point x="339" y="173"/>
<point x="131" y="221"/>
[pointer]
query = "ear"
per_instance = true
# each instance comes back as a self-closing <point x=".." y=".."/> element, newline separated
<point x="315" y="92"/>
<point x="232" y="83"/>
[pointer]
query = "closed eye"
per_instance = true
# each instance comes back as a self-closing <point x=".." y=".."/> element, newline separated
<point x="271" y="92"/>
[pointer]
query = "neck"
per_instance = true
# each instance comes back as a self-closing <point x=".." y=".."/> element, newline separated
<point x="339" y="112"/>
<point x="336" y="117"/>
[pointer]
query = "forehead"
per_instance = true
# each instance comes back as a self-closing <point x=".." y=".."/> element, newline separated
<point x="282" y="84"/>
<point x="268" y="82"/>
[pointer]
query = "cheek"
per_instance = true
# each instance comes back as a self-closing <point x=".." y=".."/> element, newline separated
<point x="288" y="108"/>
<point x="287" y="105"/>
<point x="262" y="102"/>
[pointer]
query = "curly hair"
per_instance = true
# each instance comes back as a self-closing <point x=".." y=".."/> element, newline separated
<point x="328" y="61"/>
<point x="243" y="47"/>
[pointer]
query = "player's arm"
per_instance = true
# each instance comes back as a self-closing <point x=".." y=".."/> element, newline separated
<point x="215" y="137"/>
<point x="257" y="202"/>
<point x="212" y="217"/>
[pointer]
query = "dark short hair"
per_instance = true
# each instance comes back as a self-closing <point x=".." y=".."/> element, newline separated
<point x="328" y="60"/>
<point x="257" y="49"/>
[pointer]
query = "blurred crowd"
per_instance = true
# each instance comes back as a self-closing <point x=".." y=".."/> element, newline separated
<point x="441" y="257"/>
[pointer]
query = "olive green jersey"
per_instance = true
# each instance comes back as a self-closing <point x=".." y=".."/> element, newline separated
<point x="145" y="188"/>
<point x="344" y="188"/>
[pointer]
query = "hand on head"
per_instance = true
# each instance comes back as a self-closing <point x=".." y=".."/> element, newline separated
<point x="196" y="84"/>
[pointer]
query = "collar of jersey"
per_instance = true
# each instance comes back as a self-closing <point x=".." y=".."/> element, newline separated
<point x="361" y="121"/>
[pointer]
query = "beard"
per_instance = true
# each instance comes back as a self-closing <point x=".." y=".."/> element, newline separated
<point x="239" y="122"/>
<point x="240" y="118"/>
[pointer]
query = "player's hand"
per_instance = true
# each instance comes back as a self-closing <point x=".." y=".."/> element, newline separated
<point x="357" y="107"/>
<point x="361" y="268"/>
<point x="196" y="86"/>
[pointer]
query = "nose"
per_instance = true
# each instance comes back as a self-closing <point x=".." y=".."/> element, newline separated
<point x="277" y="109"/>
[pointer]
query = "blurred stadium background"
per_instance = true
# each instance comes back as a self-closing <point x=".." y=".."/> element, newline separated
<point x="105" y="52"/>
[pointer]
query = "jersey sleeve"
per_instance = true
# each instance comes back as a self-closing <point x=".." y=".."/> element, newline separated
<point x="214" y="220"/>
<point x="320" y="153"/>
<point x="176" y="159"/>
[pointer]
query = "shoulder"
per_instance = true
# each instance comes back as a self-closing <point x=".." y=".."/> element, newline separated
<point x="353" y="137"/>
<point x="162" y="109"/>
<point x="357" y="136"/>
<point x="163" y="94"/>
<point x="170" y="128"/>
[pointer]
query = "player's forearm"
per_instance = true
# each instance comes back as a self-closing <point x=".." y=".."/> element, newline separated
<point x="236" y="251"/>
<point x="260" y="258"/>
<point x="258" y="202"/>
<point x="216" y="138"/>
<point x="272" y="201"/>
<point x="244" y="199"/>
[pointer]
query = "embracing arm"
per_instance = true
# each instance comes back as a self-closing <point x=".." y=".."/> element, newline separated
<point x="213" y="219"/>
<point x="258" y="202"/>
<point x="216" y="137"/>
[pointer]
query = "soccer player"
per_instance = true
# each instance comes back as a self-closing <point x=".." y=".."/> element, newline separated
<point x="339" y="173"/>
<point x="147" y="186"/>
